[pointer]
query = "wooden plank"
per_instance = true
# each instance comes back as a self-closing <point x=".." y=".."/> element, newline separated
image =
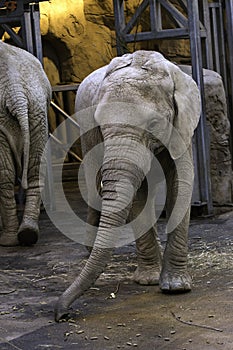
<point x="163" y="34"/>
<point x="65" y="87"/>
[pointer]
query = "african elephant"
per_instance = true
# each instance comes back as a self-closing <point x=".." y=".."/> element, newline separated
<point x="25" y="93"/>
<point x="142" y="110"/>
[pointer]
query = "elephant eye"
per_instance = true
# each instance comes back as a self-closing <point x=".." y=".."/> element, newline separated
<point x="152" y="125"/>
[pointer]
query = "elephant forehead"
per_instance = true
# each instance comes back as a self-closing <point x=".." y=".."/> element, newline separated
<point x="137" y="73"/>
<point x="134" y="114"/>
<point x="132" y="85"/>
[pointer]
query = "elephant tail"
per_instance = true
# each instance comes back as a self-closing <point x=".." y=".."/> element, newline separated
<point x="26" y="150"/>
<point x="17" y="106"/>
<point x="23" y="119"/>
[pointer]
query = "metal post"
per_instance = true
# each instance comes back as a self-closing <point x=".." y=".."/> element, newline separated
<point x="202" y="142"/>
<point x="119" y="26"/>
<point x="222" y="46"/>
<point x="207" y="54"/>
<point x="215" y="37"/>
<point x="229" y="20"/>
<point x="27" y="29"/>
<point x="35" y="14"/>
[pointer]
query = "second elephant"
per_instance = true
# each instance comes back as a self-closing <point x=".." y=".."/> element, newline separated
<point x="25" y="94"/>
<point x="137" y="115"/>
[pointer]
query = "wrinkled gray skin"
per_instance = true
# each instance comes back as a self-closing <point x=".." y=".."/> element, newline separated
<point x="25" y="93"/>
<point x="138" y="99"/>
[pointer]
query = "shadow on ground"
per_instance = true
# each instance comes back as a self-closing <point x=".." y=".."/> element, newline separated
<point x="117" y="313"/>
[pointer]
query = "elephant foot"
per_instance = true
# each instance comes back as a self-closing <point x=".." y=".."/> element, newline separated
<point x="147" y="275"/>
<point x="28" y="233"/>
<point x="175" y="282"/>
<point x="8" y="240"/>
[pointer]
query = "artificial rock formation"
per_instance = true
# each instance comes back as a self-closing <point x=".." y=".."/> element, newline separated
<point x="76" y="37"/>
<point x="218" y="127"/>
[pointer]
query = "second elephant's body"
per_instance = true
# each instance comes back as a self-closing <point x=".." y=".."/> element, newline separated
<point x="25" y="94"/>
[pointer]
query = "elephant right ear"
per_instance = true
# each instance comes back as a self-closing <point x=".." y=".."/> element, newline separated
<point x="188" y="104"/>
<point x="118" y="63"/>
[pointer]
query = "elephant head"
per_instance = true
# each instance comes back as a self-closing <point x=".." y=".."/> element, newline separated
<point x="143" y="104"/>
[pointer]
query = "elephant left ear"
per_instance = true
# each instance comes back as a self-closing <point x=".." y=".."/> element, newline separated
<point x="188" y="105"/>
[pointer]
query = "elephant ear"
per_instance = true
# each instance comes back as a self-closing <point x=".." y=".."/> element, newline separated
<point x="187" y="101"/>
<point x="118" y="63"/>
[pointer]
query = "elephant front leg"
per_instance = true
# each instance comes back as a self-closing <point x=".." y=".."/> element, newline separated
<point x="175" y="276"/>
<point x="149" y="259"/>
<point x="149" y="256"/>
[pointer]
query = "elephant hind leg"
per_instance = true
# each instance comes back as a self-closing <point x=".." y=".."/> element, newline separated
<point x="8" y="210"/>
<point x="28" y="233"/>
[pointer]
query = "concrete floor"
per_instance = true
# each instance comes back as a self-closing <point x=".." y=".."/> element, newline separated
<point x="139" y="317"/>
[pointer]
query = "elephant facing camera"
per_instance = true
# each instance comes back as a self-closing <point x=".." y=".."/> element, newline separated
<point x="143" y="110"/>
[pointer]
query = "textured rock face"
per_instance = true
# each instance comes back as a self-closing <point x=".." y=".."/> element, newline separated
<point x="219" y="135"/>
<point x="77" y="37"/>
<point x="219" y="126"/>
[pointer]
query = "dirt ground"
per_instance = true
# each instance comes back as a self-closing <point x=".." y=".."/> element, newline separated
<point x="117" y="313"/>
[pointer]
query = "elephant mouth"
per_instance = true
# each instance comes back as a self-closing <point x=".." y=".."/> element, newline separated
<point x="153" y="143"/>
<point x="157" y="148"/>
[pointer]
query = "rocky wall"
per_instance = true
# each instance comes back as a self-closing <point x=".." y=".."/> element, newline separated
<point x="79" y="37"/>
<point x="218" y="127"/>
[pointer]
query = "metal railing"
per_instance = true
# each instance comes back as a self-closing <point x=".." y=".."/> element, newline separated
<point x="58" y="109"/>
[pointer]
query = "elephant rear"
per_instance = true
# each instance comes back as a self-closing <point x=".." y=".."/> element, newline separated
<point x="24" y="99"/>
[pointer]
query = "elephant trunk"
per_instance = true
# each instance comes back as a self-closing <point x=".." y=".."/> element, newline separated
<point x="125" y="164"/>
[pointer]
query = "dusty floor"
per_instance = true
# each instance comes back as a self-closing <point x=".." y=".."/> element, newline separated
<point x="138" y="317"/>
